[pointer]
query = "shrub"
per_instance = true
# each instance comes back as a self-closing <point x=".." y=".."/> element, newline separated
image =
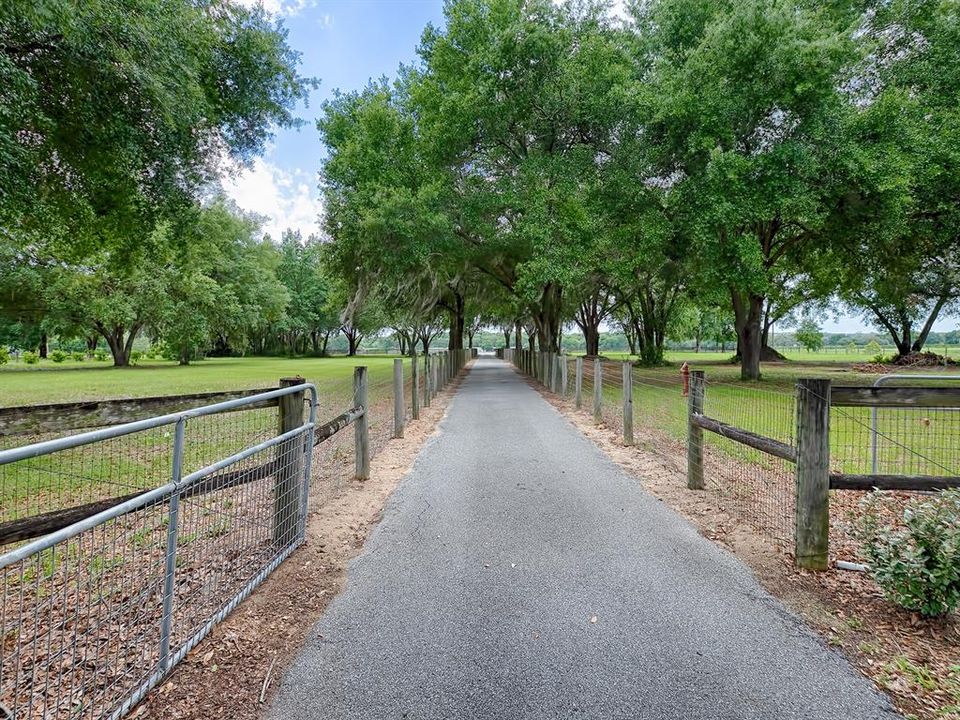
<point x="100" y="354"/>
<point x="58" y="356"/>
<point x="136" y="356"/>
<point x="873" y="347"/>
<point x="917" y="565"/>
<point x="77" y="356"/>
<point x="4" y="355"/>
<point x="30" y="358"/>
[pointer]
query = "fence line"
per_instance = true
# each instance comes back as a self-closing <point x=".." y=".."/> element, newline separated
<point x="772" y="457"/>
<point x="97" y="610"/>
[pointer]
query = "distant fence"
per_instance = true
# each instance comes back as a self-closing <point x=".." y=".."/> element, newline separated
<point x="125" y="545"/>
<point x="773" y="457"/>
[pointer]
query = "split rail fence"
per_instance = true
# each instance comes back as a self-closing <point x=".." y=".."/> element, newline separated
<point x="125" y="544"/>
<point x="773" y="456"/>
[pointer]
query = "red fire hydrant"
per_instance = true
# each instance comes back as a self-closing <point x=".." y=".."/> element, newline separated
<point x="685" y="374"/>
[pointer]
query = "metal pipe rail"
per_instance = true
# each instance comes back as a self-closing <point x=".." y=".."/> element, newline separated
<point x="270" y="523"/>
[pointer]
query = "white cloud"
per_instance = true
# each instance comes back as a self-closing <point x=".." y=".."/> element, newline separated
<point x="285" y="199"/>
<point x="325" y="21"/>
<point x="616" y="10"/>
<point x="280" y="8"/>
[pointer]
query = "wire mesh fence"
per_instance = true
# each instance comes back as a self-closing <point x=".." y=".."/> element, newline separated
<point x="753" y="485"/>
<point x="160" y="529"/>
<point x="917" y="442"/>
<point x="95" y="613"/>
<point x="747" y="458"/>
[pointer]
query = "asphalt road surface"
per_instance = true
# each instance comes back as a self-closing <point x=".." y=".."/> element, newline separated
<point x="518" y="573"/>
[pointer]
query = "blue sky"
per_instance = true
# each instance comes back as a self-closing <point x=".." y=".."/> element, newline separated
<point x="345" y="43"/>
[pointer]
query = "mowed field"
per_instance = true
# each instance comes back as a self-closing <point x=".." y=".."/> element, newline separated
<point x="909" y="441"/>
<point x="142" y="460"/>
<point x="49" y="382"/>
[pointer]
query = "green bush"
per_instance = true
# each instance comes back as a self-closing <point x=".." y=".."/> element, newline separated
<point x="30" y="358"/>
<point x="917" y="565"/>
<point x="77" y="356"/>
<point x="58" y="356"/>
<point x="136" y="356"/>
<point x="100" y="355"/>
<point x="4" y="355"/>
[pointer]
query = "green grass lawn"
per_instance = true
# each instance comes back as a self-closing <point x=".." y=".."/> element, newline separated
<point x="49" y="382"/>
<point x="798" y="355"/>
<point x="912" y="441"/>
<point x="142" y="460"/>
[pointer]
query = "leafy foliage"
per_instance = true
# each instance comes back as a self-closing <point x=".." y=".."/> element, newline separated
<point x="808" y="334"/>
<point x="112" y="115"/>
<point x="917" y="565"/>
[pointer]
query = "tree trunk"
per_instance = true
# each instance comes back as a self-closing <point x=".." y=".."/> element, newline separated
<point x="457" y="323"/>
<point x="91" y="345"/>
<point x="517" y="336"/>
<point x="591" y="339"/>
<point x="631" y="339"/>
<point x="748" y="320"/>
<point x="506" y="338"/>
<point x="121" y="356"/>
<point x="43" y="345"/>
<point x="547" y="317"/>
<point x="928" y="325"/>
<point x="353" y="340"/>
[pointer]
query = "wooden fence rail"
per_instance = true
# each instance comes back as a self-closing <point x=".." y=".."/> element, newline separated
<point x="810" y="455"/>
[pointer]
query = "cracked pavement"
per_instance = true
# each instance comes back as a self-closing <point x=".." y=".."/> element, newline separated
<point x="519" y="573"/>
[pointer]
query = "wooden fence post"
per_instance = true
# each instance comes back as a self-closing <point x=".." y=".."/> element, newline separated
<point x="361" y="426"/>
<point x="563" y="375"/>
<point x="627" y="403"/>
<point x="552" y="371"/>
<point x="435" y="374"/>
<point x="695" y="432"/>
<point x="414" y="387"/>
<point x="399" y="411"/>
<point x="544" y="359"/>
<point x="426" y="379"/>
<point x="597" y="390"/>
<point x="289" y="475"/>
<point x="578" y="384"/>
<point x="812" y="531"/>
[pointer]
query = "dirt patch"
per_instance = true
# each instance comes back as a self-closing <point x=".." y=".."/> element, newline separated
<point x="234" y="671"/>
<point x="915" y="661"/>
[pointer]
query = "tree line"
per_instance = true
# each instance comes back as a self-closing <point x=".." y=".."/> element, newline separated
<point x="707" y="169"/>
<point x="709" y="164"/>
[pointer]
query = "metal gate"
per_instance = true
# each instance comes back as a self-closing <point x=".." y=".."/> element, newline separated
<point x="96" y="613"/>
